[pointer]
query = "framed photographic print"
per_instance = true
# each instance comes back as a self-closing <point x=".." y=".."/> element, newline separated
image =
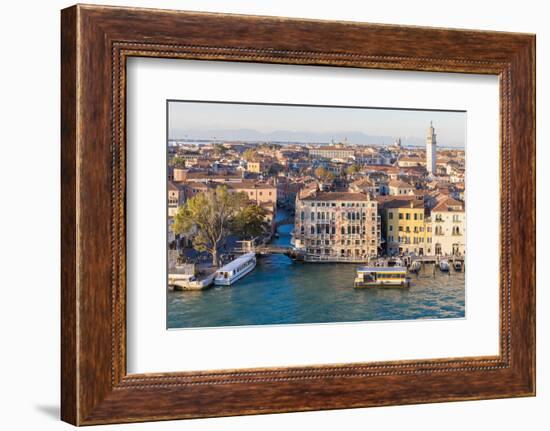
<point x="265" y="215"/>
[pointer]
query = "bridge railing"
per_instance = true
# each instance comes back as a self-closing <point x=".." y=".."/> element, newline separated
<point x="335" y="258"/>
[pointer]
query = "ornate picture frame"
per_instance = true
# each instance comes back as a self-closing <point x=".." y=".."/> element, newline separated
<point x="96" y="41"/>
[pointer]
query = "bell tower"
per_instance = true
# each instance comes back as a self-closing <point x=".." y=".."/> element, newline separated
<point x="431" y="152"/>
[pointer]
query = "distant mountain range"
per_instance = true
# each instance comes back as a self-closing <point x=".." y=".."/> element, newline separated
<point x="352" y="137"/>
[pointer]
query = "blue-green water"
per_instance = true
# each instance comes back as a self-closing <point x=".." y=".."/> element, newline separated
<point x="280" y="291"/>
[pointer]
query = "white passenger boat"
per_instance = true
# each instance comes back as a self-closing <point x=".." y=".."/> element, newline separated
<point x="235" y="270"/>
<point x="444" y="265"/>
<point x="395" y="276"/>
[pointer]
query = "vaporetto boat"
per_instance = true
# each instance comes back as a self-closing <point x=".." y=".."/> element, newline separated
<point x="395" y="276"/>
<point x="235" y="270"/>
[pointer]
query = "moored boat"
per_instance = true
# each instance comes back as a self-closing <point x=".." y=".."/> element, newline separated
<point x="444" y="265"/>
<point x="395" y="276"/>
<point x="235" y="270"/>
<point x="457" y="265"/>
<point x="415" y="266"/>
<point x="178" y="281"/>
<point x="395" y="262"/>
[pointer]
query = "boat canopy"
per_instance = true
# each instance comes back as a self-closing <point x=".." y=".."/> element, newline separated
<point x="234" y="264"/>
<point x="382" y="270"/>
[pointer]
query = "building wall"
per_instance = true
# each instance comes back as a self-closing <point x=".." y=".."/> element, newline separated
<point x="449" y="232"/>
<point x="400" y="191"/>
<point x="176" y="198"/>
<point x="255" y="167"/>
<point x="334" y="153"/>
<point x="259" y="195"/>
<point x="337" y="228"/>
<point x="179" y="174"/>
<point x="406" y="231"/>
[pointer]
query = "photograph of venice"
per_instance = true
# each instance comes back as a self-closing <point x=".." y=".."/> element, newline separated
<point x="301" y="214"/>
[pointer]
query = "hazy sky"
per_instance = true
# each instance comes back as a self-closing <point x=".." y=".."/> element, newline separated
<point x="187" y="119"/>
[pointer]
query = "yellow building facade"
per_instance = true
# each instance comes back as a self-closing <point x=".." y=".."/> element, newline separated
<point x="405" y="227"/>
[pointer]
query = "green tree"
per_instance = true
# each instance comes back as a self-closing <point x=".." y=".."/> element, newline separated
<point x="270" y="146"/>
<point x="219" y="150"/>
<point x="353" y="169"/>
<point x="251" y="155"/>
<point x="321" y="172"/>
<point x="212" y="214"/>
<point x="274" y="169"/>
<point x="250" y="222"/>
<point x="177" y="162"/>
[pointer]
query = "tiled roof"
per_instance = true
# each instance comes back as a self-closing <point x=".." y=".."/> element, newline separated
<point x="448" y="204"/>
<point x="383" y="168"/>
<point x="202" y="174"/>
<point x="400" y="202"/>
<point x="410" y="159"/>
<point x="362" y="182"/>
<point x="196" y="185"/>
<point x="249" y="185"/>
<point x="400" y="184"/>
<point x="337" y="196"/>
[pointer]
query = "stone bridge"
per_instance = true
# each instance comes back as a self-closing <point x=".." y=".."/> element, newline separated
<point x="285" y="221"/>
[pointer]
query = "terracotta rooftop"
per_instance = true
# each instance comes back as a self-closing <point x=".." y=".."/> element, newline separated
<point x="399" y="183"/>
<point x="400" y="202"/>
<point x="410" y="159"/>
<point x="198" y="185"/>
<point x="248" y="184"/>
<point x="383" y="168"/>
<point x="336" y="196"/>
<point x="217" y="175"/>
<point x="448" y="204"/>
<point x="362" y="182"/>
<point x="172" y="186"/>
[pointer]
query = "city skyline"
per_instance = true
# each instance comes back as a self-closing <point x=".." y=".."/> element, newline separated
<point x="291" y="229"/>
<point x="303" y="123"/>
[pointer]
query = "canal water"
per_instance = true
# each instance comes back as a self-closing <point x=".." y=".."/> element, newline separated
<point x="280" y="291"/>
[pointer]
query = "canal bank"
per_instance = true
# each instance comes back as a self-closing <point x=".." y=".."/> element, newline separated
<point x="280" y="291"/>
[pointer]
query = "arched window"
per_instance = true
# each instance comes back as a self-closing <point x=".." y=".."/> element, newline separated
<point x="312" y="230"/>
<point x="343" y="230"/>
<point x="302" y="229"/>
